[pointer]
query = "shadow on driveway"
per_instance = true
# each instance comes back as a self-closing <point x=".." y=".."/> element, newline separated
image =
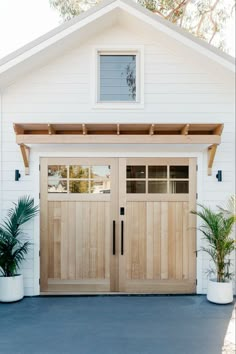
<point x="113" y="325"/>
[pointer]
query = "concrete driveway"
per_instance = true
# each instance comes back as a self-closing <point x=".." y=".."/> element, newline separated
<point x="113" y="324"/>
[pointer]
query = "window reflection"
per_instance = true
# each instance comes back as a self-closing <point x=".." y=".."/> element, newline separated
<point x="157" y="171"/>
<point x="136" y="171"/>
<point x="136" y="187"/>
<point x="57" y="171"/>
<point x="100" y="172"/>
<point x="117" y="77"/>
<point x="57" y="186"/>
<point x="179" y="187"/>
<point x="157" y="187"/>
<point x="79" y="171"/>
<point x="79" y="187"/>
<point x="179" y="172"/>
<point x="159" y="179"/>
<point x="100" y="187"/>
<point x="81" y="179"/>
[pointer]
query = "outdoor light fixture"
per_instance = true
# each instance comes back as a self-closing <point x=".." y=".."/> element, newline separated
<point x="17" y="175"/>
<point x="219" y="175"/>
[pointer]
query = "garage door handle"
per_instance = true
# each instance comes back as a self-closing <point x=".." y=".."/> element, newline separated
<point x="122" y="237"/>
<point x="114" y="238"/>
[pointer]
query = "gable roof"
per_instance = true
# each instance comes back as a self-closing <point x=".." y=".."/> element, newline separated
<point x="26" y="58"/>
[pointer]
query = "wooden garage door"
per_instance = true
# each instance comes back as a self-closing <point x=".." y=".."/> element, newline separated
<point x="118" y="225"/>
<point x="78" y="206"/>
<point x="157" y="229"/>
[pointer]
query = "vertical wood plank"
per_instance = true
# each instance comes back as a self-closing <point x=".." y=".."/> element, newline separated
<point x="101" y="240"/>
<point x="107" y="247"/>
<point x="135" y="241"/>
<point x="93" y="240"/>
<point x="150" y="240"/>
<point x="57" y="240"/>
<point x="79" y="240"/>
<point x="157" y="240"/>
<point x="179" y="240"/>
<point x="171" y="240"/>
<point x="128" y="240"/>
<point x="86" y="240"/>
<point x="142" y="240"/>
<point x="164" y="240"/>
<point x="185" y="239"/>
<point x="71" y="235"/>
<point x="64" y="240"/>
<point x="51" y="239"/>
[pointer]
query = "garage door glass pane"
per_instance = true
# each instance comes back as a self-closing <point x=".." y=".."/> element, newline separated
<point x="100" y="172"/>
<point x="135" y="187"/>
<point x="179" y="187"/>
<point x="178" y="171"/>
<point x="77" y="171"/>
<point x="100" y="187"/>
<point x="157" y="171"/>
<point x="55" y="186"/>
<point x="117" y="78"/>
<point x="57" y="171"/>
<point x="136" y="171"/>
<point x="157" y="187"/>
<point x="79" y="187"/>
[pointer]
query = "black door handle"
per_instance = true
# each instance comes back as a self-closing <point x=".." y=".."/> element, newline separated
<point x="114" y="238"/>
<point x="122" y="237"/>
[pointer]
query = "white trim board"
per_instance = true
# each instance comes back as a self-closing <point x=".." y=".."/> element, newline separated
<point x="36" y="155"/>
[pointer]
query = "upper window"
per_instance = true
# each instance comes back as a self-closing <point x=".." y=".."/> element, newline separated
<point x="157" y="179"/>
<point x="117" y="78"/>
<point x="79" y="179"/>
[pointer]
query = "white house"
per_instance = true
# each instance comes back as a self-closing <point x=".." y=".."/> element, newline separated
<point x="119" y="122"/>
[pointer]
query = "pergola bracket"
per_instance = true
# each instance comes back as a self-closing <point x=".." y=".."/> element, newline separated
<point x="25" y="152"/>
<point x="211" y="156"/>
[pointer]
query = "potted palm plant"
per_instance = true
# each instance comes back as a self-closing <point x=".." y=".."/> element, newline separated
<point x="13" y="249"/>
<point x="217" y="227"/>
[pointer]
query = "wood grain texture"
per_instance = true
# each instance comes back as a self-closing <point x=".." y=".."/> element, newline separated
<point x="159" y="238"/>
<point x="76" y="247"/>
<point x="79" y="240"/>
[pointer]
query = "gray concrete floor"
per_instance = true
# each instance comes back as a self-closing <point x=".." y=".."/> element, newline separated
<point x="113" y="325"/>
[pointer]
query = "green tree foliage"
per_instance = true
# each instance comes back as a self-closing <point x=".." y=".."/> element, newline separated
<point x="81" y="184"/>
<point x="205" y="19"/>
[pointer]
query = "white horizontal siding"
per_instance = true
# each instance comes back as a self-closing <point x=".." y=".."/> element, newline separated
<point x="179" y="86"/>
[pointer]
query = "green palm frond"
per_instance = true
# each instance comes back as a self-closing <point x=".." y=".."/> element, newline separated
<point x="216" y="228"/>
<point x="12" y="249"/>
<point x="230" y="208"/>
<point x="23" y="211"/>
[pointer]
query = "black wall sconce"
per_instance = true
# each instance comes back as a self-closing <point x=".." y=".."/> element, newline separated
<point x="219" y="175"/>
<point x="17" y="175"/>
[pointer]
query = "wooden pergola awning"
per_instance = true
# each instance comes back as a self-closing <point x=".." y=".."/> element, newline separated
<point x="63" y="133"/>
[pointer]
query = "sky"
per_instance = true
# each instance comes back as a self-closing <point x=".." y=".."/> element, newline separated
<point x="21" y="21"/>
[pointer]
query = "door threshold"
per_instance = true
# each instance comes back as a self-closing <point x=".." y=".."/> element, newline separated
<point x="81" y="294"/>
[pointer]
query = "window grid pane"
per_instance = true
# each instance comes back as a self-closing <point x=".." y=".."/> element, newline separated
<point x="117" y="78"/>
<point x="79" y="179"/>
<point x="162" y="179"/>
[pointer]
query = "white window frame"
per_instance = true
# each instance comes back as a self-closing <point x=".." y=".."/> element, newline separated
<point x="138" y="51"/>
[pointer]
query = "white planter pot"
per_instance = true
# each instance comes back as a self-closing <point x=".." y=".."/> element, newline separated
<point x="11" y="288"/>
<point x="220" y="293"/>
